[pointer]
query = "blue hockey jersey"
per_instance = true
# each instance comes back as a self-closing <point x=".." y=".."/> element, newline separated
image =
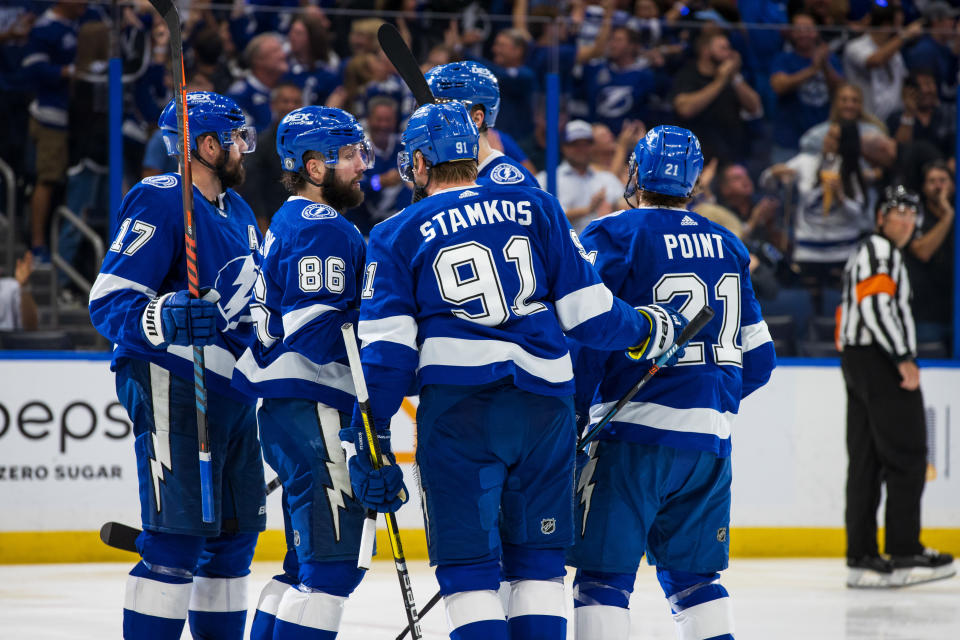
<point x="677" y="257"/>
<point x="312" y="263"/>
<point x="498" y="168"/>
<point x="51" y="47"/>
<point x="147" y="259"/>
<point x="474" y="284"/>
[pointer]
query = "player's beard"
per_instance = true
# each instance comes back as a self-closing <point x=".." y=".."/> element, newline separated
<point x="338" y="195"/>
<point x="231" y="174"/>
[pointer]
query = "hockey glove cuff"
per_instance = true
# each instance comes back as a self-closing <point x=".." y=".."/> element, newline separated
<point x="378" y="489"/>
<point x="666" y="324"/>
<point x="177" y="318"/>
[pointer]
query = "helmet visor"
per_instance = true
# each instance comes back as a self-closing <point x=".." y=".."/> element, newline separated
<point x="245" y="138"/>
<point x="404" y="166"/>
<point x="632" y="177"/>
<point x="350" y="153"/>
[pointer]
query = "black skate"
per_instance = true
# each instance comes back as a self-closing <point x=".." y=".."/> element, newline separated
<point x="923" y="567"/>
<point x="870" y="572"/>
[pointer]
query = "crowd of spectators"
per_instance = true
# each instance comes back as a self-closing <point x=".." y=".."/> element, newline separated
<point x="805" y="110"/>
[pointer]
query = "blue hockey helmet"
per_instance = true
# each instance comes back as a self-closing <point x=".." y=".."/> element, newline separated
<point x="667" y="160"/>
<point x="469" y="82"/>
<point x="322" y="129"/>
<point x="442" y="133"/>
<point x="208" y="112"/>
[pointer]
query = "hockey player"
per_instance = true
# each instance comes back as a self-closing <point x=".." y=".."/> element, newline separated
<point x="140" y="302"/>
<point x="477" y="88"/>
<point x="312" y="267"/>
<point x="468" y="293"/>
<point x="658" y="479"/>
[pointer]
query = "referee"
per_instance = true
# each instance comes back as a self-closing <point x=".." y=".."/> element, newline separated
<point x="886" y="433"/>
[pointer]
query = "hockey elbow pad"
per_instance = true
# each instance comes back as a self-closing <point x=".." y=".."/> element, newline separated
<point x="178" y="318"/>
<point x="666" y="324"/>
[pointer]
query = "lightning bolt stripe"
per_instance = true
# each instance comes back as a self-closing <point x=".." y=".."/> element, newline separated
<point x="160" y="399"/>
<point x="329" y="420"/>
<point x="586" y="484"/>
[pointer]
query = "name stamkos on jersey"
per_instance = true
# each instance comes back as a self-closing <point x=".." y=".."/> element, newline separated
<point x="318" y="211"/>
<point x="161" y="181"/>
<point x="452" y="220"/>
<point x="694" y="245"/>
<point x="506" y="174"/>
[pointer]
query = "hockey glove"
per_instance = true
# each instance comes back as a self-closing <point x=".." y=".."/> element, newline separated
<point x="666" y="324"/>
<point x="177" y="318"/>
<point x="377" y="489"/>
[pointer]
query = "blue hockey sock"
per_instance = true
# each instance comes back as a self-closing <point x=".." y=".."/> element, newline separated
<point x="475" y="615"/>
<point x="537" y="610"/>
<point x="308" y="615"/>
<point x="601" y="602"/>
<point x="155" y="604"/>
<point x="266" y="615"/>
<point x="218" y="608"/>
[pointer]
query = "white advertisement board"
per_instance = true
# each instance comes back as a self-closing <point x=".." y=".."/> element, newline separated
<point x="67" y="462"/>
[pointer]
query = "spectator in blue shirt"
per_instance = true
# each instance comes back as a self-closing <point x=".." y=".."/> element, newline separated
<point x="619" y="84"/>
<point x="933" y="51"/>
<point x="47" y="67"/>
<point x="313" y="66"/>
<point x="384" y="191"/>
<point x="518" y="85"/>
<point x="803" y="80"/>
<point x="267" y="62"/>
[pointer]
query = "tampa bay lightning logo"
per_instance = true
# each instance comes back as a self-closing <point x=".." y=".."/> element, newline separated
<point x="161" y="181"/>
<point x="318" y="211"/>
<point x="235" y="285"/>
<point x="506" y="174"/>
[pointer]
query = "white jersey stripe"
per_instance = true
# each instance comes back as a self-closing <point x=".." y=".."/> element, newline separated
<point x="216" y="358"/>
<point x="315" y="610"/>
<point x="399" y="329"/>
<point x="292" y="365"/>
<point x="457" y="352"/>
<point x="107" y="283"/>
<point x="294" y="320"/>
<point x="579" y="306"/>
<point x="695" y="420"/>
<point x="754" y="335"/>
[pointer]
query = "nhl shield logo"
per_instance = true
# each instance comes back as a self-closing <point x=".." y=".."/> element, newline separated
<point x="548" y="526"/>
<point x="288" y="163"/>
<point x="722" y="534"/>
<point x="506" y="174"/>
<point x="296" y="538"/>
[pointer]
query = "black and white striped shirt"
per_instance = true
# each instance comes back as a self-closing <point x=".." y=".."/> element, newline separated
<point x="876" y="300"/>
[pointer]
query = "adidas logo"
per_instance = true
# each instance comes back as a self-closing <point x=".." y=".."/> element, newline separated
<point x="468" y="194"/>
<point x="688" y="221"/>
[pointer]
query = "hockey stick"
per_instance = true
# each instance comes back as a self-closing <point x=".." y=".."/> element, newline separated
<point x="699" y="322"/>
<point x="426" y="609"/>
<point x="376" y="458"/>
<point x="402" y="58"/>
<point x="124" y="537"/>
<point x="168" y="12"/>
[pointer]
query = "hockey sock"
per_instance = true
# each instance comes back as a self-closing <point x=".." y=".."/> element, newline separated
<point x="308" y="615"/>
<point x="701" y="606"/>
<point x="537" y="610"/>
<point x="475" y="615"/>
<point x="601" y="602"/>
<point x="218" y="608"/>
<point x="155" y="604"/>
<point x="266" y="615"/>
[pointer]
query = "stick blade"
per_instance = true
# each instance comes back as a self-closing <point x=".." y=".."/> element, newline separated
<point x="402" y="58"/>
<point x="119" y="536"/>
